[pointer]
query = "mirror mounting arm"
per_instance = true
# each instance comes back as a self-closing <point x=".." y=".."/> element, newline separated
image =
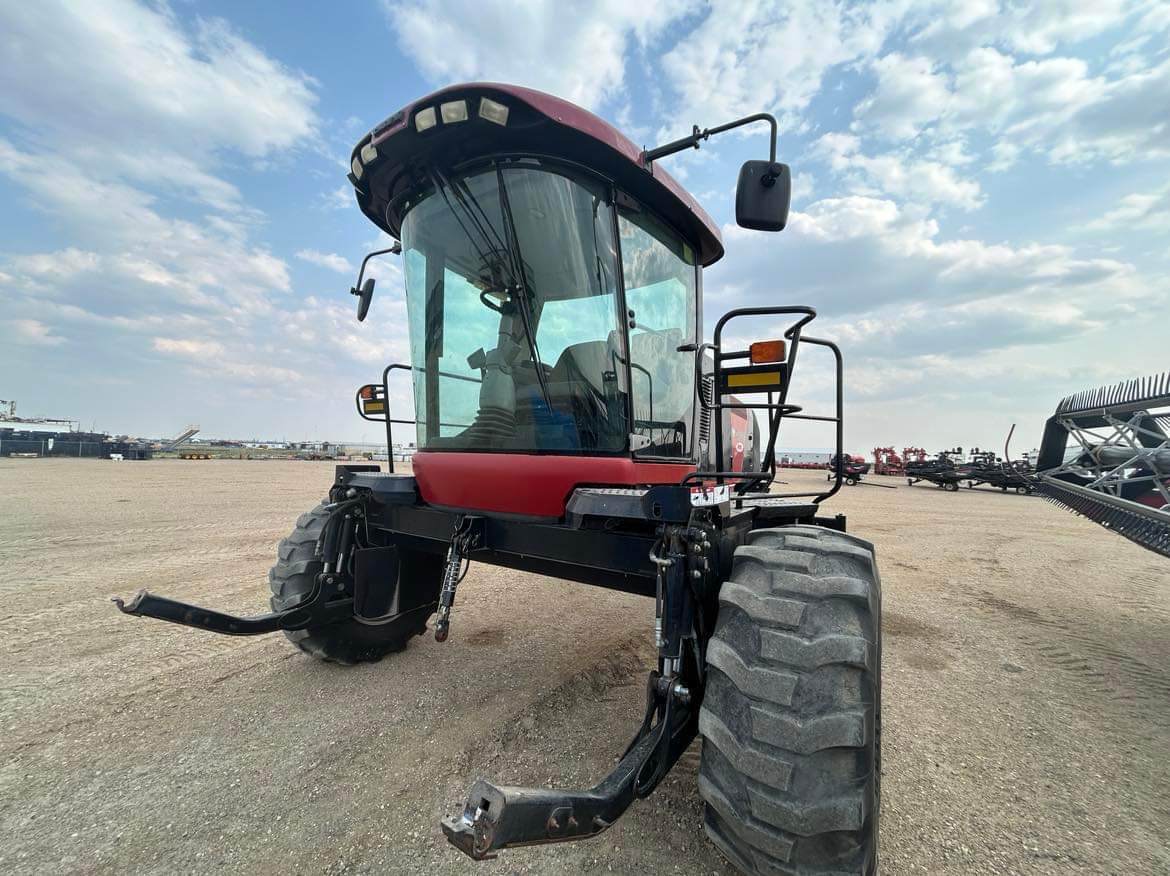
<point x="392" y="250"/>
<point x="649" y="156"/>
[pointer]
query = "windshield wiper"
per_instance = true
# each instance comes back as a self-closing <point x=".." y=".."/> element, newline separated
<point x="512" y="245"/>
<point x="480" y="223"/>
<point x="442" y="185"/>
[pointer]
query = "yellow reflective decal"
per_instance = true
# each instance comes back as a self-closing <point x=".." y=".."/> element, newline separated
<point x="373" y="406"/>
<point x="765" y="378"/>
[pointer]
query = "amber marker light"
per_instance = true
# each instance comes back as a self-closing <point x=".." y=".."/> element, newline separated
<point x="762" y="352"/>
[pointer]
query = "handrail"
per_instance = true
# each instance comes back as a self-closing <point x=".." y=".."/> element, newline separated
<point x="777" y="409"/>
<point x="400" y="366"/>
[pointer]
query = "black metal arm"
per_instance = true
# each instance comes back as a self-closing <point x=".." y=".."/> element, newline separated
<point x="649" y="156"/>
<point x="391" y="250"/>
<point x="399" y="366"/>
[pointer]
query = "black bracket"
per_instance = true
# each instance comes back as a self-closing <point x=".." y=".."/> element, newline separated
<point x="496" y="818"/>
<point x="312" y="612"/>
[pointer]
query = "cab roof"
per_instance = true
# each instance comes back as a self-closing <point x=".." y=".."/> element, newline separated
<point x="389" y="163"/>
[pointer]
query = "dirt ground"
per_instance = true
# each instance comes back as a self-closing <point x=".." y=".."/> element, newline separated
<point x="1027" y="693"/>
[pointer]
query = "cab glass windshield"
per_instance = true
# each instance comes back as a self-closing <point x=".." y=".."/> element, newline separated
<point x="517" y="342"/>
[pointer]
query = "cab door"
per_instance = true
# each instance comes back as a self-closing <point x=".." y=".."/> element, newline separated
<point x="660" y="277"/>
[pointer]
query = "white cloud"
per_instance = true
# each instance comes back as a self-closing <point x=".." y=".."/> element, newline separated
<point x="963" y="336"/>
<point x="120" y="104"/>
<point x="137" y="259"/>
<point x="910" y="95"/>
<point x="69" y="262"/>
<point x="189" y="348"/>
<point x="328" y="260"/>
<point x="1051" y="106"/>
<point x="34" y="333"/>
<point x="116" y="110"/>
<point x="108" y="67"/>
<point x="340" y="198"/>
<point x="773" y="55"/>
<point x="209" y="357"/>
<point x="382" y="339"/>
<point x="952" y="28"/>
<point x="855" y="255"/>
<point x="920" y="181"/>
<point x="1139" y="211"/>
<point x="146" y="260"/>
<point x="573" y="50"/>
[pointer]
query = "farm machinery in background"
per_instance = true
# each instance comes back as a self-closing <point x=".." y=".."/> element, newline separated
<point x="182" y="438"/>
<point x="946" y="470"/>
<point x="1016" y="475"/>
<point x="951" y="468"/>
<point x="848" y="468"/>
<point x="567" y="425"/>
<point x="886" y="461"/>
<point x="912" y="454"/>
<point x="1106" y="455"/>
<point x="852" y="470"/>
<point x="1005" y="473"/>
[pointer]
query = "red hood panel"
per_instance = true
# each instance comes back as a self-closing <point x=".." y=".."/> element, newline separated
<point x="536" y="485"/>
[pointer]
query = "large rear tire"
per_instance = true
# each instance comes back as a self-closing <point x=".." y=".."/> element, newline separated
<point x="791" y="717"/>
<point x="349" y="641"/>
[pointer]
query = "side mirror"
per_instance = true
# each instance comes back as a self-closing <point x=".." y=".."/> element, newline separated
<point x="763" y="195"/>
<point x="364" y="298"/>
<point x="367" y="290"/>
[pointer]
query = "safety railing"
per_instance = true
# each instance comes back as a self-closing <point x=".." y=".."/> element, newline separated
<point x="776" y="405"/>
<point x="385" y="399"/>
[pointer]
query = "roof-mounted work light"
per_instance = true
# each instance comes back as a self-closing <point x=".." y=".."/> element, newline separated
<point x="453" y="111"/>
<point x="492" y="111"/>
<point x="425" y="119"/>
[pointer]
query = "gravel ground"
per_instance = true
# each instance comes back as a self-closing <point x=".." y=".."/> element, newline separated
<point x="1027" y="693"/>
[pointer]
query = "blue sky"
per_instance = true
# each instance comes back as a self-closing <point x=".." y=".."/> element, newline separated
<point x="981" y="194"/>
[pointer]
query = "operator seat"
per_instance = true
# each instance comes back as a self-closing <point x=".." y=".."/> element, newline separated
<point x="584" y="382"/>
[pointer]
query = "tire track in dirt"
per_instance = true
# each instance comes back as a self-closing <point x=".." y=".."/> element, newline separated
<point x="1076" y="648"/>
<point x="1146" y="595"/>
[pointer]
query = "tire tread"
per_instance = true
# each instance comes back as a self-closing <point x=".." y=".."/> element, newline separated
<point x="791" y="718"/>
<point x="291" y="580"/>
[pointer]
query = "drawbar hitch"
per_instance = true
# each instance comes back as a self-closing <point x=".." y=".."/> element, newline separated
<point x="496" y="818"/>
<point x="325" y="603"/>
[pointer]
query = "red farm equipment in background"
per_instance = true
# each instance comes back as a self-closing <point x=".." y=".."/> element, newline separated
<point x="850" y="468"/>
<point x="886" y="461"/>
<point x="912" y="454"/>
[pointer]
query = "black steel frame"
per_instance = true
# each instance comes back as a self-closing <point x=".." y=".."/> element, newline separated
<point x="776" y="405"/>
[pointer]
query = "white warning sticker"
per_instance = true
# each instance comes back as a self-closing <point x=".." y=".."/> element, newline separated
<point x="715" y="495"/>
